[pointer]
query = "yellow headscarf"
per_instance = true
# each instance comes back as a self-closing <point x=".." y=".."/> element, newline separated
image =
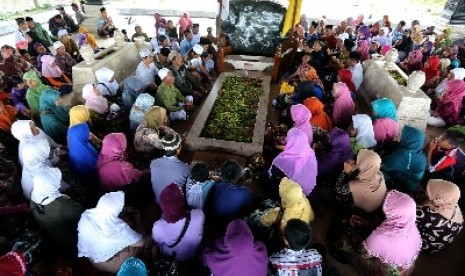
<point x="156" y="117"/>
<point x="90" y="37"/>
<point x="78" y="114"/>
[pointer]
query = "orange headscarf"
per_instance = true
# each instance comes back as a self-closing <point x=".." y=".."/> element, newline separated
<point x="319" y="116"/>
<point x="7" y="117"/>
<point x="311" y="74"/>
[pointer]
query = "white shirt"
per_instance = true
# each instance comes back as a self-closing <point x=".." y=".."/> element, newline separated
<point x="357" y="75"/>
<point x="146" y="73"/>
<point x="19" y="36"/>
<point x="194" y="63"/>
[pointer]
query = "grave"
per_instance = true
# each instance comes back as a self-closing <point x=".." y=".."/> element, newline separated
<point x="122" y="60"/>
<point x="195" y="140"/>
<point x="412" y="106"/>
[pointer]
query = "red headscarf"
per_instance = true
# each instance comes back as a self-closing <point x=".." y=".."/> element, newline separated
<point x="432" y="70"/>
<point x="12" y="263"/>
<point x="319" y="116"/>
<point x="7" y="117"/>
<point x="172" y="204"/>
<point x="345" y="76"/>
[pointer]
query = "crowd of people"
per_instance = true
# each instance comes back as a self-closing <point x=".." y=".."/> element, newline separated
<point x="80" y="178"/>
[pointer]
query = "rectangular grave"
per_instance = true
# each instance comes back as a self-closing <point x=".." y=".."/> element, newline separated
<point x="197" y="141"/>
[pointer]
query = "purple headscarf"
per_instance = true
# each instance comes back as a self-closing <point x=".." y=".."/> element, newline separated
<point x="301" y="117"/>
<point x="298" y="160"/>
<point x="236" y="253"/>
<point x="364" y="33"/>
<point x="341" y="152"/>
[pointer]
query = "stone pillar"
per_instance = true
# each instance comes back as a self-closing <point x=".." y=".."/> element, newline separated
<point x="454" y="12"/>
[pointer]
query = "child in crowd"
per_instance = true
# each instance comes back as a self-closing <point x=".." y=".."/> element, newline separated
<point x="18" y="93"/>
<point x="198" y="185"/>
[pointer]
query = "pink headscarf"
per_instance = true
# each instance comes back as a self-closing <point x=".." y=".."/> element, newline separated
<point x="50" y="68"/>
<point x="97" y="103"/>
<point x="298" y="160"/>
<point x="397" y="240"/>
<point x="301" y="117"/>
<point x="449" y="107"/>
<point x="363" y="49"/>
<point x="236" y="253"/>
<point x="344" y="106"/>
<point x="415" y="56"/>
<point x="385" y="49"/>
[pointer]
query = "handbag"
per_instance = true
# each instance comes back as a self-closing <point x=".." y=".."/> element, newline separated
<point x="167" y="266"/>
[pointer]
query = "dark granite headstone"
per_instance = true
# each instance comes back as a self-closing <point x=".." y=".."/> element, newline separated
<point x="254" y="27"/>
<point x="454" y="12"/>
<point x="98" y="2"/>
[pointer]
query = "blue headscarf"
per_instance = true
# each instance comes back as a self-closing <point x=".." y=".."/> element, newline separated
<point x="132" y="267"/>
<point x="132" y="88"/>
<point x="143" y="103"/>
<point x="384" y="108"/>
<point x="54" y="119"/>
<point x="409" y="159"/>
<point x="82" y="154"/>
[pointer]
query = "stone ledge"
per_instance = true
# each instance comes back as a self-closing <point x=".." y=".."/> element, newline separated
<point x="164" y="13"/>
<point x="196" y="142"/>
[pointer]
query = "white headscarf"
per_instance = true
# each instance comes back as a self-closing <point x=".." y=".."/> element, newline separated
<point x="142" y="104"/>
<point x="21" y="130"/>
<point x="36" y="154"/>
<point x="46" y="187"/>
<point x="365" y="135"/>
<point x="101" y="233"/>
<point x="459" y="73"/>
<point x="104" y="75"/>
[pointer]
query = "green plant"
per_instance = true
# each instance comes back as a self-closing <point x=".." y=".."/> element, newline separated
<point x="232" y="117"/>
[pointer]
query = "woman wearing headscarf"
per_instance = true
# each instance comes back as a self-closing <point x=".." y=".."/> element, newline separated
<point x="364" y="34"/>
<point x="319" y="116"/>
<point x="449" y="104"/>
<point x="151" y="130"/>
<point x="427" y="50"/>
<point x="7" y="117"/>
<point x="404" y="168"/>
<point x="443" y="41"/>
<point x="385" y="123"/>
<point x="332" y="162"/>
<point x="297" y="162"/>
<point x="84" y="37"/>
<point x="318" y="87"/>
<point x="26" y="131"/>
<point x="113" y="167"/>
<point x="439" y="218"/>
<point x="237" y="253"/>
<point x="55" y="75"/>
<point x="141" y="106"/>
<point x="361" y="131"/>
<point x="167" y="231"/>
<point x="36" y="159"/>
<point x="294" y="204"/>
<point x="54" y="116"/>
<point x="53" y="211"/>
<point x="132" y="88"/>
<point x="393" y="247"/>
<point x="107" y="85"/>
<point x="432" y="74"/>
<point x="413" y="62"/>
<point x="343" y="107"/>
<point x="363" y="49"/>
<point x="36" y="88"/>
<point x="367" y="188"/>
<point x="104" y="238"/>
<point x="82" y="153"/>
<point x="94" y="99"/>
<point x="301" y="117"/>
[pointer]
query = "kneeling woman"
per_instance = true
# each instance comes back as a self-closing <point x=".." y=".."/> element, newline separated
<point x="104" y="238"/>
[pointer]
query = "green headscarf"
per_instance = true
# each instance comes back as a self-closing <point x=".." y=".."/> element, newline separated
<point x="33" y="94"/>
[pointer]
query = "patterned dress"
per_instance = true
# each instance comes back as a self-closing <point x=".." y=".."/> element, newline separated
<point x="437" y="232"/>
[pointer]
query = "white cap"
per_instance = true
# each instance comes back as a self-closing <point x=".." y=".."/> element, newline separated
<point x="58" y="44"/>
<point x="162" y="73"/>
<point x="343" y="36"/>
<point x="144" y="53"/>
<point x="198" y="49"/>
<point x="62" y="32"/>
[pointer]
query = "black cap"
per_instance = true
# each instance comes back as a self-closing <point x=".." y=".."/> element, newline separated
<point x="19" y="20"/>
<point x="231" y="171"/>
<point x="329" y="27"/>
<point x="15" y="80"/>
<point x="204" y="41"/>
<point x="74" y="5"/>
<point x="349" y="44"/>
<point x="60" y="8"/>
<point x="200" y="172"/>
<point x="28" y="19"/>
<point x="188" y="31"/>
<point x="314" y="23"/>
<point x="165" y="51"/>
<point x="354" y="55"/>
<point x="195" y="25"/>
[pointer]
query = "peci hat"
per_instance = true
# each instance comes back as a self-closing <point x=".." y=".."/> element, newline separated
<point x="172" y="55"/>
<point x="58" y="44"/>
<point x="343" y="36"/>
<point x="165" y="51"/>
<point x="19" y="20"/>
<point x="144" y="53"/>
<point x="28" y="19"/>
<point x="200" y="172"/>
<point x="170" y="141"/>
<point x="231" y="171"/>
<point x="162" y="38"/>
<point x="162" y="73"/>
<point x="198" y="49"/>
<point x="59" y="8"/>
<point x="195" y="25"/>
<point x="62" y="32"/>
<point x="188" y="31"/>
